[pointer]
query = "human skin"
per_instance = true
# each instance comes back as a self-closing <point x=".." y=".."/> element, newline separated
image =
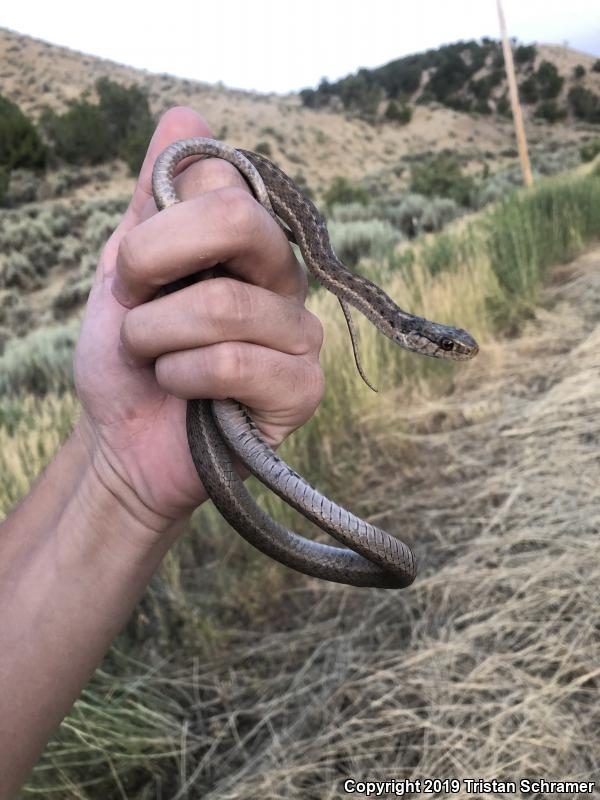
<point x="78" y="551"/>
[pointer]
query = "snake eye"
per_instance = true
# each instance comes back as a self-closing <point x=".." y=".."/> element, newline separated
<point x="447" y="344"/>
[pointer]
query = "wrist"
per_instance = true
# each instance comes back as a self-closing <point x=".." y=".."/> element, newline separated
<point x="110" y="507"/>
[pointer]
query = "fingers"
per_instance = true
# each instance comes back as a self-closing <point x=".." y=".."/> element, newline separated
<point x="247" y="372"/>
<point x="225" y="225"/>
<point x="216" y="311"/>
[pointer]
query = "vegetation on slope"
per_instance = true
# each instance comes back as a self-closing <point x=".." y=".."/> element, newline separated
<point x="139" y="730"/>
<point x="466" y="76"/>
<point x="119" y="125"/>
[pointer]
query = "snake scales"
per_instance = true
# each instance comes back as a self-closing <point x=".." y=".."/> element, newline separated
<point x="371" y="557"/>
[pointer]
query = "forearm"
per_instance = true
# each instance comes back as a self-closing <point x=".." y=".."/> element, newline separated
<point x="75" y="556"/>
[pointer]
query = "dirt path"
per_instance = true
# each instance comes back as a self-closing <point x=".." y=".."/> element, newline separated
<point x="489" y="667"/>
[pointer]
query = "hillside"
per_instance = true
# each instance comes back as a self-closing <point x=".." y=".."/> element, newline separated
<point x="237" y="678"/>
<point x="315" y="143"/>
<point x="555" y="83"/>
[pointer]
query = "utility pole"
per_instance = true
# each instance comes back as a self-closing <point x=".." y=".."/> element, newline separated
<point x="514" y="101"/>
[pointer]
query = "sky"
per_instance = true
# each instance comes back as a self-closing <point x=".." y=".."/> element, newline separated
<point x="281" y="46"/>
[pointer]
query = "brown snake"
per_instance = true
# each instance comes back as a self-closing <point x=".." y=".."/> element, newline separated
<point x="217" y="427"/>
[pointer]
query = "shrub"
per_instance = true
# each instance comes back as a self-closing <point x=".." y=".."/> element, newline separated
<point x="20" y="144"/>
<point x="4" y="183"/>
<point x="16" y="272"/>
<point x="396" y="113"/>
<point x="407" y="214"/>
<point x="352" y="212"/>
<point x="14" y="313"/>
<point x="449" y="77"/>
<point x="585" y="104"/>
<point x="590" y="150"/>
<point x="525" y="53"/>
<point x="72" y="295"/>
<point x="120" y="125"/>
<point x="550" y="111"/>
<point x="439" y="212"/>
<point x="578" y="71"/>
<point x="264" y="148"/>
<point x="503" y="106"/>
<point x="596" y="67"/>
<point x="40" y="362"/>
<point x="528" y="90"/>
<point x="442" y="176"/>
<point x="549" y="81"/>
<point x="342" y="191"/>
<point x="364" y="238"/>
<point x="79" y="135"/>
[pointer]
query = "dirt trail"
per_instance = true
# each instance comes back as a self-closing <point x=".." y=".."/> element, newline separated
<point x="490" y="665"/>
<point x="520" y="432"/>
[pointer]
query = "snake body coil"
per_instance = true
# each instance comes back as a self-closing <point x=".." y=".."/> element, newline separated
<point x="217" y="427"/>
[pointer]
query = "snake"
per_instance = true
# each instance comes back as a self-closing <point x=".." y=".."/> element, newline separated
<point x="218" y="431"/>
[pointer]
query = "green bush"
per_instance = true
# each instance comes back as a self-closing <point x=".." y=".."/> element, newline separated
<point x="365" y="238"/>
<point x="503" y="106"/>
<point x="578" y="71"/>
<point x="450" y="76"/>
<point x="127" y="115"/>
<point x="590" y="150"/>
<point x="585" y="104"/>
<point x="549" y="81"/>
<point x="342" y="191"/>
<point x="528" y="232"/>
<point x="79" y="135"/>
<point x="550" y="111"/>
<point x="596" y="67"/>
<point x="4" y="182"/>
<point x="525" y="53"/>
<point x="40" y="362"/>
<point x="20" y="144"/>
<point x="442" y="176"/>
<point x="397" y="113"/>
<point x="119" y="125"/>
<point x="528" y="90"/>
<point x="545" y="84"/>
<point x="264" y="148"/>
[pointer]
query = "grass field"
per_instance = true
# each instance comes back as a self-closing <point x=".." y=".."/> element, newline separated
<point x="236" y="678"/>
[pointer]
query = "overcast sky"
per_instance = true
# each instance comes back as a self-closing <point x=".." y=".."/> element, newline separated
<point x="281" y="46"/>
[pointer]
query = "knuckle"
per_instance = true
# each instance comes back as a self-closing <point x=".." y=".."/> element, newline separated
<point x="206" y="175"/>
<point x="314" y="332"/>
<point x="217" y="173"/>
<point x="129" y="260"/>
<point x="230" y="368"/>
<point x="315" y="385"/>
<point x="240" y="211"/>
<point x="228" y="302"/>
<point x="163" y="370"/>
<point x="130" y="331"/>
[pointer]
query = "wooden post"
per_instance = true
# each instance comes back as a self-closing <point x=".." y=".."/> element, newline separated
<point x="514" y="101"/>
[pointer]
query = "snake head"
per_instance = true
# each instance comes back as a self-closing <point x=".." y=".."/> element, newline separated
<point x="441" y="341"/>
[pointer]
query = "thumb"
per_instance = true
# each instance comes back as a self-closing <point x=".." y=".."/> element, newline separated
<point x="179" y="122"/>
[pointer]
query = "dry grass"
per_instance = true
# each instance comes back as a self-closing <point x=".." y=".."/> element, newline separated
<point x="488" y="667"/>
<point x="491" y="665"/>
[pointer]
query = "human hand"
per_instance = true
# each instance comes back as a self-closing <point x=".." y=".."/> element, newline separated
<point x="140" y="357"/>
